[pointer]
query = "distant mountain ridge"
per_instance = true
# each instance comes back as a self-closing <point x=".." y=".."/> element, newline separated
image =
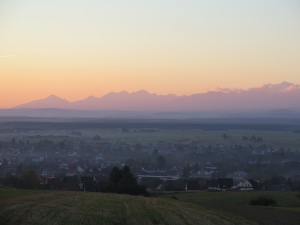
<point x="267" y="97"/>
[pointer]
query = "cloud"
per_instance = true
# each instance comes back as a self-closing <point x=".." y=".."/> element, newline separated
<point x="266" y="88"/>
<point x="229" y="90"/>
<point x="7" y="56"/>
<point x="281" y="87"/>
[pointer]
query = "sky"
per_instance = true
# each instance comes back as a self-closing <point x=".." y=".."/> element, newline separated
<point x="75" y="49"/>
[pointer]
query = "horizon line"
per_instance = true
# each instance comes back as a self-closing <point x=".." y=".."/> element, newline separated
<point x="217" y="89"/>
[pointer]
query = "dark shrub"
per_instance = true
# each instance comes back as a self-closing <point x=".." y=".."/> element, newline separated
<point x="263" y="201"/>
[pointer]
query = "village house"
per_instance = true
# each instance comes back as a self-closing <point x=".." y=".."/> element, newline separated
<point x="220" y="184"/>
<point x="71" y="172"/>
<point x="47" y="173"/>
<point x="247" y="185"/>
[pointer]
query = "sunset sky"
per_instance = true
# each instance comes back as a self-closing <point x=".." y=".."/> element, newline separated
<point x="74" y="48"/>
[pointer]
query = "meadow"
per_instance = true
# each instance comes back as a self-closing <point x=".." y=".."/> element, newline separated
<point x="286" y="211"/>
<point x="63" y="207"/>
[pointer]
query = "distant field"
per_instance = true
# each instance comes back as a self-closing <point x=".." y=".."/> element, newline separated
<point x="276" y="139"/>
<point x="62" y="207"/>
<point x="285" y="200"/>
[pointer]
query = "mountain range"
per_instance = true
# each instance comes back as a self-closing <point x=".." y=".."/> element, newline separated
<point x="267" y="97"/>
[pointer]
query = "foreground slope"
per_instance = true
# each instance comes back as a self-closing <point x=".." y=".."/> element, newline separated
<point x="59" y="207"/>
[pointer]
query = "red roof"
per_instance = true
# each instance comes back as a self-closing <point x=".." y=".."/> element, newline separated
<point x="52" y="180"/>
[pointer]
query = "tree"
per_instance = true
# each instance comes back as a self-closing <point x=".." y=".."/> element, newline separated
<point x="12" y="181"/>
<point x="95" y="169"/>
<point x="30" y="179"/>
<point x="87" y="170"/>
<point x="4" y="162"/>
<point x="138" y="146"/>
<point x="122" y="181"/>
<point x="161" y="162"/>
<point x="115" y="177"/>
<point x="186" y="172"/>
<point x="157" y="181"/>
<point x="131" y="162"/>
<point x="62" y="145"/>
<point x="125" y="130"/>
<point x="175" y="185"/>
<point x="74" y="178"/>
<point x="263" y="147"/>
<point x="202" y="184"/>
<point x="225" y="136"/>
<point x="278" y="180"/>
<point x="127" y="184"/>
<point x="253" y="137"/>
<point x="65" y="179"/>
<point x="19" y="169"/>
<point x="97" y="138"/>
<point x="289" y="182"/>
<point x="155" y="153"/>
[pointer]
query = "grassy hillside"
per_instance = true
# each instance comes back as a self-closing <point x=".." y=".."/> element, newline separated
<point x="63" y="207"/>
<point x="59" y="207"/>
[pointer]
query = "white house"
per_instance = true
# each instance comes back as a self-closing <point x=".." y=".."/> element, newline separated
<point x="80" y="170"/>
<point x="245" y="185"/>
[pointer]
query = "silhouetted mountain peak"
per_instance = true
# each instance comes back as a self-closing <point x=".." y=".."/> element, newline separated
<point x="91" y="97"/>
<point x="54" y="97"/>
<point x="266" y="97"/>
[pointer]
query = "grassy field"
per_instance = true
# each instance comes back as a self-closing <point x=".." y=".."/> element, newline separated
<point x="62" y="207"/>
<point x="276" y="139"/>
<point x="285" y="200"/>
<point x="287" y="210"/>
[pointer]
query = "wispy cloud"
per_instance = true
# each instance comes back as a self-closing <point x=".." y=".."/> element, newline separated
<point x="267" y="88"/>
<point x="228" y="90"/>
<point x="7" y="56"/>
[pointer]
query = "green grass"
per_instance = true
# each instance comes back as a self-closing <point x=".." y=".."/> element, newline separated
<point x="287" y="210"/>
<point x="62" y="207"/>
<point x="287" y="200"/>
<point x="12" y="192"/>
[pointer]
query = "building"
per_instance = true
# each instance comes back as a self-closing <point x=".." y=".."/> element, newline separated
<point x="247" y="185"/>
